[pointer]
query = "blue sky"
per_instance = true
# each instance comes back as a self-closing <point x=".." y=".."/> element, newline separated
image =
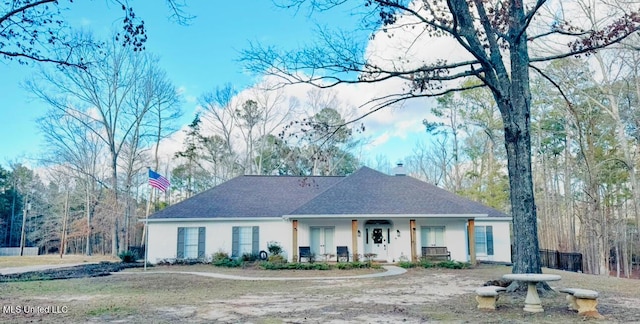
<point x="197" y="58"/>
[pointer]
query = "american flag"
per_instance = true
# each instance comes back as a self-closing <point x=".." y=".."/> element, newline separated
<point x="158" y="181"/>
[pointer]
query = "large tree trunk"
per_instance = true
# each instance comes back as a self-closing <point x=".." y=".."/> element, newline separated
<point x="526" y="250"/>
<point x="514" y="102"/>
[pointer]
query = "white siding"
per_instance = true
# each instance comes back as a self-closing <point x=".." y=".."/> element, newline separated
<point x="163" y="237"/>
<point x="501" y="241"/>
<point x="455" y="236"/>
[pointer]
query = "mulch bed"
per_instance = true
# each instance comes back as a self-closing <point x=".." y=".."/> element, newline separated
<point x="81" y="271"/>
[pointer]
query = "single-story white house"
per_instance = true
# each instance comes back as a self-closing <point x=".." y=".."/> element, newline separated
<point x="389" y="218"/>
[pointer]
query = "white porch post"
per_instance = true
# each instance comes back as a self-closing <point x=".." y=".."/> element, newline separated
<point x="472" y="241"/>
<point x="294" y="240"/>
<point x="412" y="231"/>
<point x="354" y="238"/>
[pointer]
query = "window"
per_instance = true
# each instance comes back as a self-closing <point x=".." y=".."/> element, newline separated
<point x="191" y="243"/>
<point x="245" y="239"/>
<point x="484" y="240"/>
<point x="432" y="236"/>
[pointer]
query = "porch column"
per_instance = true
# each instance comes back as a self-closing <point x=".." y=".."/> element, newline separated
<point x="472" y="241"/>
<point x="412" y="231"/>
<point x="294" y="240"/>
<point x="354" y="238"/>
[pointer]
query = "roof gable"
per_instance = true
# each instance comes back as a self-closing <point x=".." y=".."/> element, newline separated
<point x="370" y="192"/>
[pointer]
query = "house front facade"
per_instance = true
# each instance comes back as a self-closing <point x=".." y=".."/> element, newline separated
<point x="368" y="214"/>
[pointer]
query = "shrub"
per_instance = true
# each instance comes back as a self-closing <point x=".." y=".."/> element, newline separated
<point x="272" y="266"/>
<point x="166" y="262"/>
<point x="188" y="261"/>
<point x="250" y="257"/>
<point x="406" y="264"/>
<point x="127" y="256"/>
<point x="344" y="265"/>
<point x="424" y="263"/>
<point x="220" y="255"/>
<point x="351" y="265"/>
<point x="228" y="263"/>
<point x="277" y="258"/>
<point x="274" y="248"/>
<point x="320" y="266"/>
<point x="295" y="266"/>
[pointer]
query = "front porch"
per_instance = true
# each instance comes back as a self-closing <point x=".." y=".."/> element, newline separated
<point x="386" y="240"/>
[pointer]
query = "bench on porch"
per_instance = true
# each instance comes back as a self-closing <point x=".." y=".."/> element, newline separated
<point x="436" y="253"/>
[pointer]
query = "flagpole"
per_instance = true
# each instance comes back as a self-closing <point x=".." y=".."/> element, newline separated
<point x="156" y="181"/>
<point x="146" y="221"/>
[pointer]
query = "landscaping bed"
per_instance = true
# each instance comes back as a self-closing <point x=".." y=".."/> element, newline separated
<point x="79" y="271"/>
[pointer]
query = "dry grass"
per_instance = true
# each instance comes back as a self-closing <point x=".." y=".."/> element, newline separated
<point x="420" y="295"/>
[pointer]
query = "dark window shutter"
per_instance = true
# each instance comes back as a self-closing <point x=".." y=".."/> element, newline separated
<point x="489" y="240"/>
<point x="466" y="236"/>
<point x="255" y="237"/>
<point x="235" y="242"/>
<point x="180" y="254"/>
<point x="201" y="239"/>
<point x="388" y="236"/>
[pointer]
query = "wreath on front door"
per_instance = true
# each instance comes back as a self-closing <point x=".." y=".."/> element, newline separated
<point x="376" y="236"/>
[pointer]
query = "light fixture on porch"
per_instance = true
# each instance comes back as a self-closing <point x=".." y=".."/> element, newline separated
<point x="398" y="233"/>
<point x="359" y="233"/>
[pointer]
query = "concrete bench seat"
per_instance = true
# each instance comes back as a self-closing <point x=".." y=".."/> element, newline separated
<point x="582" y="300"/>
<point x="487" y="296"/>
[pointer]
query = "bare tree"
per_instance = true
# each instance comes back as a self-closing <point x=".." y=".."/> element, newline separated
<point x="276" y="111"/>
<point x="37" y="30"/>
<point x="105" y="98"/>
<point x="76" y="151"/>
<point x="220" y="114"/>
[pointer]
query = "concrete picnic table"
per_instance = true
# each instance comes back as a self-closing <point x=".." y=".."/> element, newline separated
<point x="532" y="301"/>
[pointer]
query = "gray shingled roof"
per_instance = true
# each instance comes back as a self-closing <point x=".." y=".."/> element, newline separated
<point x="366" y="191"/>
<point x="250" y="196"/>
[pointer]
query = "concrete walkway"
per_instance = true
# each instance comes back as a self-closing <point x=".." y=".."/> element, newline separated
<point x="391" y="271"/>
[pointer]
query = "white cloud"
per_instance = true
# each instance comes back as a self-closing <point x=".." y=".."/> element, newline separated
<point x="382" y="139"/>
<point x="406" y="49"/>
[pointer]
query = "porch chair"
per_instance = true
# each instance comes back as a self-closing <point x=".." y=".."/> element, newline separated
<point x="342" y="252"/>
<point x="304" y="252"/>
